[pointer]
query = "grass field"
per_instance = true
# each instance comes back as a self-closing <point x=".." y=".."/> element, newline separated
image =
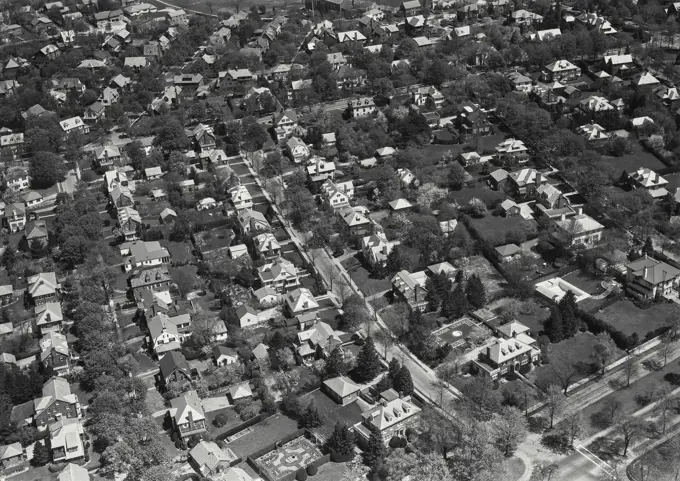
<point x="223" y="7"/>
<point x="628" y="318"/>
<point x="493" y="281"/>
<point x="362" y="278"/>
<point x="633" y="161"/>
<point x="494" y="229"/>
<point x="481" y="192"/>
<point x="265" y="432"/>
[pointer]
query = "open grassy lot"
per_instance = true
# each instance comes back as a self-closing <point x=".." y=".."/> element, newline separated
<point x="633" y="161"/>
<point x="578" y="347"/>
<point x="363" y="279"/>
<point x="493" y="281"/>
<point x="628" y="318"/>
<point x="494" y="229"/>
<point x="481" y="192"/>
<point x="334" y="472"/>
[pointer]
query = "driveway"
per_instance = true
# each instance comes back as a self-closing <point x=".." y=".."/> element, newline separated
<point x="215" y="403"/>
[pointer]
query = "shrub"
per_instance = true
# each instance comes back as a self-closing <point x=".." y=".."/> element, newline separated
<point x="89" y="176"/>
<point x="220" y="420"/>
<point x="395" y="442"/>
<point x="301" y="475"/>
<point x="312" y="470"/>
<point x="673" y="378"/>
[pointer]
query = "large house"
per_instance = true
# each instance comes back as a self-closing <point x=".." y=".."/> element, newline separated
<point x="267" y="246"/>
<point x="578" y="230"/>
<point x="189" y="418"/>
<point x="524" y="183"/>
<point x="174" y="368"/>
<point x="240" y="197"/>
<point x="651" y="279"/>
<point x="297" y="150"/>
<point x="15" y="217"/>
<point x="57" y="402"/>
<point x="66" y="440"/>
<point x="43" y="288"/>
<point x="512" y="150"/>
<point x="55" y="353"/>
<point x="376" y="248"/>
<point x="410" y="288"/>
<point x="284" y="124"/>
<point x="355" y="222"/>
<point x="560" y="71"/>
<point x="252" y="222"/>
<point x="150" y="279"/>
<point x="320" y="170"/>
<point x="204" y="138"/>
<point x="279" y="274"/>
<point x="48" y="317"/>
<point x="646" y="179"/>
<point x="337" y="195"/>
<point x="317" y="342"/>
<point x="299" y="301"/>
<point x="167" y="333"/>
<point x="12" y="455"/>
<point x="512" y="350"/>
<point x="143" y="254"/>
<point x="210" y="460"/>
<point x="361" y="107"/>
<point x="391" y="417"/>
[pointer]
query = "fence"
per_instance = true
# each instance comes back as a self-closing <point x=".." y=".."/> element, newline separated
<point x="252" y="459"/>
<point x="245" y="425"/>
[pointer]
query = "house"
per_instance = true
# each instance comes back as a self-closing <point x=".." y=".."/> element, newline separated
<point x="189" y="418"/>
<point x="12" y="144"/>
<point x="55" y="353"/>
<point x="316" y="342"/>
<point x="167" y="333"/>
<point x="595" y="104"/>
<point x="267" y="297"/>
<point x="266" y="245"/>
<point x="57" y="402"/>
<point x="354" y="220"/>
<point x="154" y="279"/>
<point x="43" y="288"/>
<point x="560" y="71"/>
<point x="619" y="65"/>
<point x="646" y="179"/>
<point x="350" y="37"/>
<point x="153" y="173"/>
<point x="73" y="472"/>
<point x="17" y="180"/>
<point x="176" y="17"/>
<point x="238" y="250"/>
<point x="523" y="183"/>
<point x="66" y="440"/>
<point x="12" y="455"/>
<point x="236" y="78"/>
<point x="279" y="274"/>
<point x="240" y="391"/>
<point x="120" y="197"/>
<point x="74" y="124"/>
<point x="411" y="7"/>
<point x="521" y="82"/>
<point x="510" y="208"/>
<point x="391" y="417"/>
<point x="375" y="249"/>
<point x="507" y="253"/>
<point x="32" y="198"/>
<point x="341" y="389"/>
<point x="593" y="133"/>
<point x="506" y="355"/>
<point x="284" y="124"/>
<point x="361" y="107"/>
<point x="174" y="368"/>
<point x="579" y="229"/>
<point x="121" y="81"/>
<point x="427" y="96"/>
<point x="299" y="301"/>
<point x="129" y="222"/>
<point x="512" y="150"/>
<point x="48" y="317"/>
<point x="524" y="17"/>
<point x="472" y="120"/>
<point x="107" y="155"/>
<point x="240" y="197"/>
<point x="167" y="215"/>
<point x="247" y="316"/>
<point x="207" y="203"/>
<point x="6" y="294"/>
<point x="337" y="195"/>
<point x="407" y="178"/>
<point x="210" y="460"/>
<point x="251" y="222"/>
<point x="224" y="356"/>
<point x="645" y="81"/>
<point x="336" y="60"/>
<point x="320" y="170"/>
<point x="651" y="279"/>
<point x="141" y="254"/>
<point x="297" y="150"/>
<point x="410" y="288"/>
<point x="204" y="138"/>
<point x="15" y="217"/>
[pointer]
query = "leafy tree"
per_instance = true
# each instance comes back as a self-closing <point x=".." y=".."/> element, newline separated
<point x="335" y="365"/>
<point x="185" y="279"/>
<point x="603" y="350"/>
<point x="569" y="312"/>
<point x="457" y="176"/>
<point x="342" y="441"/>
<point x="476" y="457"/>
<point x="510" y="429"/>
<point x="455" y="303"/>
<point x="46" y="169"/>
<point x="170" y="135"/>
<point x="355" y="313"/>
<point x="554" y="327"/>
<point x="630" y="428"/>
<point x="480" y="399"/>
<point x="415" y="465"/>
<point x="432" y="297"/>
<point x="41" y="454"/>
<point x="254" y="136"/>
<point x="475" y="292"/>
<point x="403" y="383"/>
<point x="368" y="362"/>
<point x="393" y="369"/>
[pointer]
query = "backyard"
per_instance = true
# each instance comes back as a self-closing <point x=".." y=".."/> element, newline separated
<point x="499" y="230"/>
<point x="362" y="278"/>
<point x="289" y="458"/>
<point x="479" y="191"/>
<point x="626" y="317"/>
<point x="639" y="157"/>
<point x="491" y="278"/>
<point x="266" y="432"/>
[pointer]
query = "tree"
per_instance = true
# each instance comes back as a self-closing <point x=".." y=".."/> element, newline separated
<point x="546" y="471"/>
<point x="510" y="429"/>
<point x="611" y="409"/>
<point x="342" y="441"/>
<point x="630" y="367"/>
<point x="480" y="399"/>
<point x="368" y="361"/>
<point x="432" y="296"/>
<point x="630" y="428"/>
<point x="46" y="169"/>
<point x="603" y="350"/>
<point x="335" y="365"/>
<point x="475" y="457"/>
<point x="41" y="454"/>
<point x="310" y="417"/>
<point x="185" y="278"/>
<point x="254" y="136"/>
<point x="455" y="304"/>
<point x="375" y="450"/>
<point x="477" y="208"/>
<point x="386" y="339"/>
<point x="284" y="358"/>
<point x="403" y="383"/>
<point x="415" y="465"/>
<point x="203" y="326"/>
<point x="665" y="406"/>
<point x="666" y="347"/>
<point x="554" y="327"/>
<point x="475" y="292"/>
<point x="355" y="313"/>
<point x="573" y="427"/>
<point x="564" y="367"/>
<point x="555" y="401"/>
<point x="569" y="312"/>
<point x="170" y="135"/>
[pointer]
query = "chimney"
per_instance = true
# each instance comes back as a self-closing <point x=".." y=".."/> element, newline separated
<point x="645" y="270"/>
<point x="563" y="217"/>
<point x="488" y="351"/>
<point x="665" y="275"/>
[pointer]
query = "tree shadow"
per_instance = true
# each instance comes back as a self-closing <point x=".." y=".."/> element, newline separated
<point x="607" y="448"/>
<point x="600" y="420"/>
<point x="538" y="424"/>
<point x="557" y="442"/>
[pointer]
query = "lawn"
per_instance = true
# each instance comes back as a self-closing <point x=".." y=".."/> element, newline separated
<point x="588" y="283"/>
<point x="491" y="278"/>
<point x="362" y="278"/>
<point x="578" y="348"/>
<point x="334" y="472"/>
<point x="268" y="431"/>
<point x="179" y="251"/>
<point x="628" y="318"/>
<point x="479" y="191"/>
<point x="495" y="229"/>
<point x="531" y="314"/>
<point x="633" y="161"/>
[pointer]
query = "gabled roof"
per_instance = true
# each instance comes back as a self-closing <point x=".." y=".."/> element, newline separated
<point x="188" y="407"/>
<point x="73" y="472"/>
<point x="42" y="284"/>
<point x="208" y="454"/>
<point x="173" y="361"/>
<point x="342" y="386"/>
